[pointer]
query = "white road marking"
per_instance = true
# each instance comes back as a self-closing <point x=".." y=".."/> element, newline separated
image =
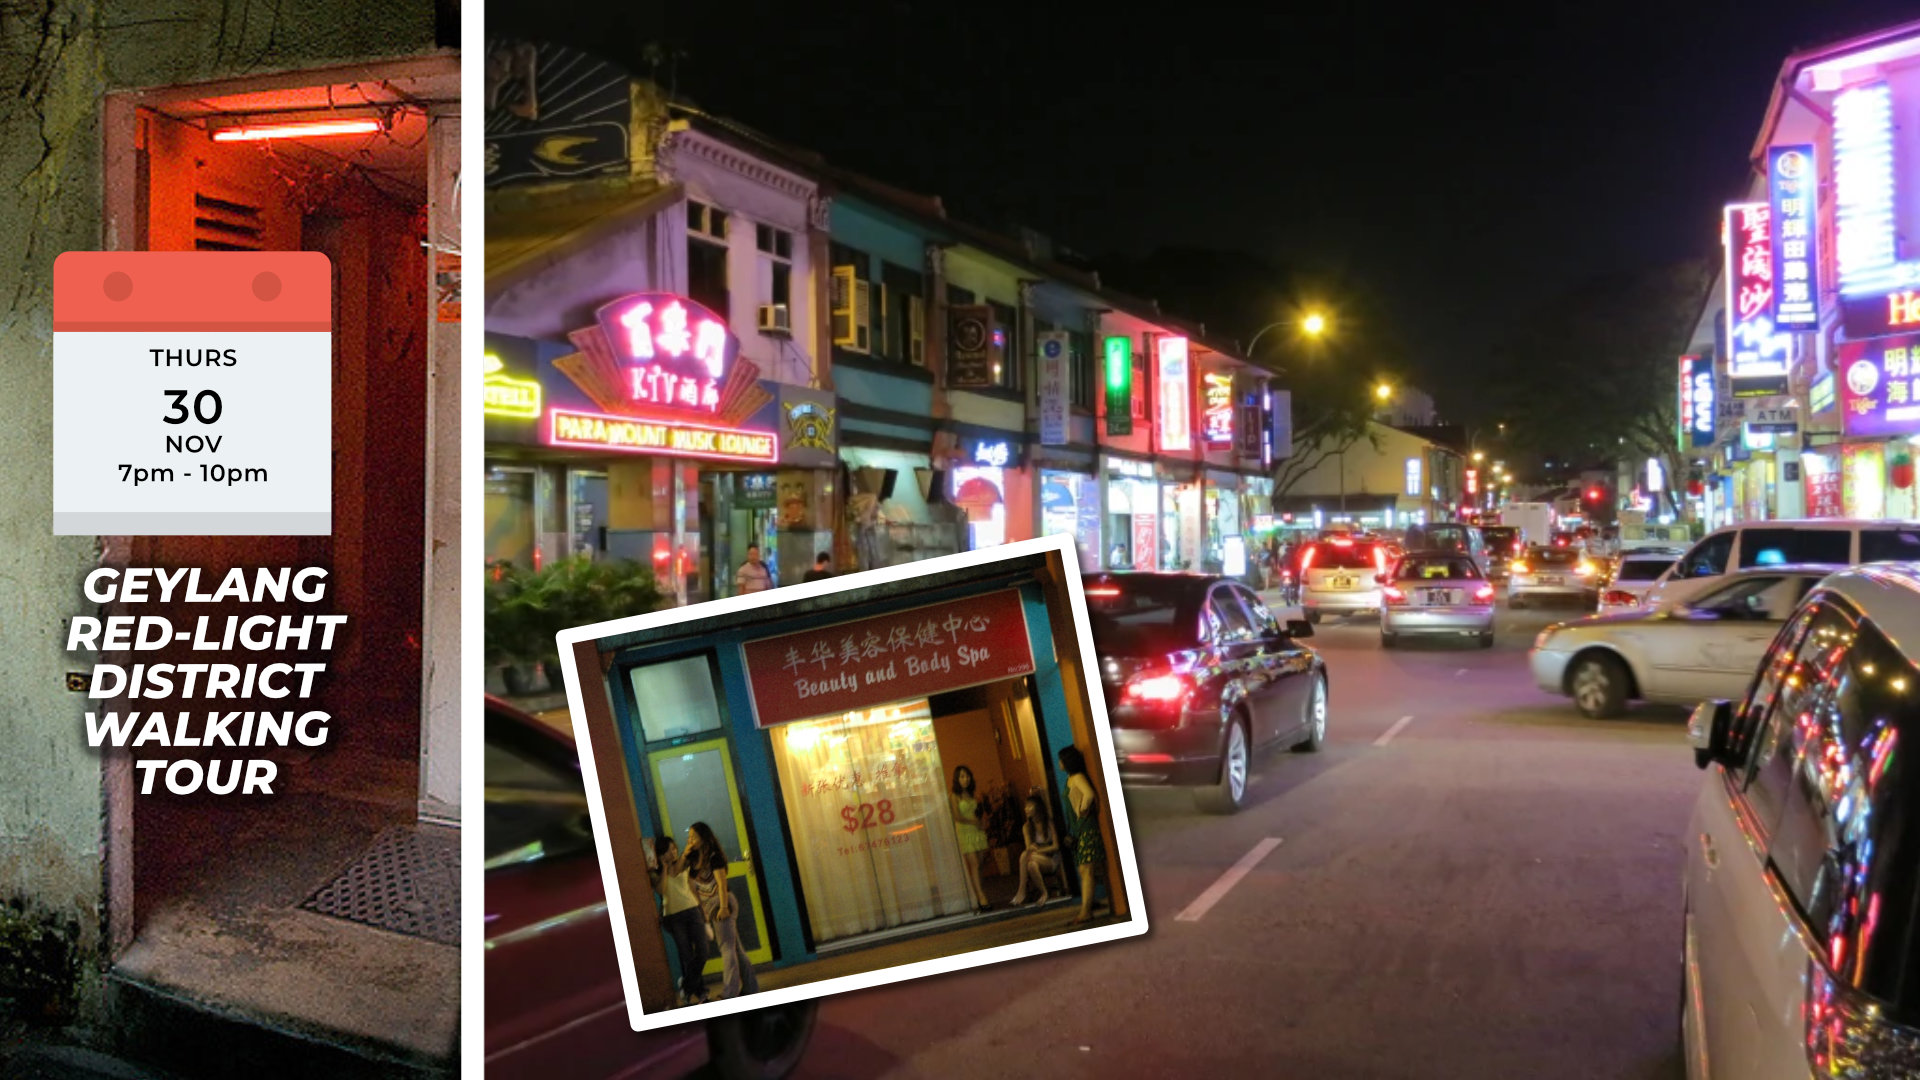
<point x="1205" y="901"/>
<point x="1387" y="735"/>
<point x="1459" y="673"/>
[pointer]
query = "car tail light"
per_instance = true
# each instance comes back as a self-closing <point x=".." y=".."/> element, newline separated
<point x="1306" y="560"/>
<point x="1103" y="590"/>
<point x="1380" y="560"/>
<point x="1518" y="547"/>
<point x="1286" y="575"/>
<point x="1394" y="595"/>
<point x="1483" y="594"/>
<point x="1585" y="569"/>
<point x="1618" y="598"/>
<point x="1159" y="687"/>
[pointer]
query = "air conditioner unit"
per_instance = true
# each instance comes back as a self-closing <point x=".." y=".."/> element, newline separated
<point x="774" y="319"/>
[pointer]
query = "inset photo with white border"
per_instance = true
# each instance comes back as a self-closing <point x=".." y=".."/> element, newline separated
<point x="849" y="782"/>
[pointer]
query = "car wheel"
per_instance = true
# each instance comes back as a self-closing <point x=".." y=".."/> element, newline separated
<point x="1316" y="718"/>
<point x="1486" y="640"/>
<point x="1598" y="683"/>
<point x="1516" y="602"/>
<point x="1388" y="638"/>
<point x="1229" y="793"/>
<point x="766" y="1044"/>
<point x="1313" y="617"/>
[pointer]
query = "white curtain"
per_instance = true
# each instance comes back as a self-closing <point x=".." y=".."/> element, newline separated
<point x="866" y="800"/>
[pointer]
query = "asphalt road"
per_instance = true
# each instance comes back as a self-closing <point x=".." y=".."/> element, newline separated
<point x="1491" y="890"/>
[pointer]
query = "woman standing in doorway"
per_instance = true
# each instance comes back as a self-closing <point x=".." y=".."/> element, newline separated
<point x="680" y="917"/>
<point x="707" y="873"/>
<point x="966" y="822"/>
<point x="1089" y="849"/>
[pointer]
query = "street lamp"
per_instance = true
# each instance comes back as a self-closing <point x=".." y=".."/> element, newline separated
<point x="1313" y="324"/>
<point x="1479" y="456"/>
<point x="1383" y="392"/>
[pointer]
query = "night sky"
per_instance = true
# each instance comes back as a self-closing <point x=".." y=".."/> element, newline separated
<point x="1460" y="164"/>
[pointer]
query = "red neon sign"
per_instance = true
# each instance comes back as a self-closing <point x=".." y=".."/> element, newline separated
<point x="1216" y="416"/>
<point x="678" y="353"/>
<point x="1753" y="260"/>
<point x="566" y="427"/>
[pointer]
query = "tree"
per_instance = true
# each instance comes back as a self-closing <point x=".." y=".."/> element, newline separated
<point x="1592" y="376"/>
<point x="1237" y="296"/>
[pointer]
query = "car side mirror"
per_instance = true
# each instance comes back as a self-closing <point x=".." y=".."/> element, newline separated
<point x="1710" y="731"/>
<point x="1298" y="628"/>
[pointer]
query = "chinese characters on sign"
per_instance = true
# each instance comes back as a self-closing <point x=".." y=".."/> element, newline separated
<point x="1696" y="401"/>
<point x="917" y="653"/>
<point x="1216" y="417"/>
<point x="678" y="353"/>
<point x="1176" y="393"/>
<point x="1791" y="189"/>
<point x="1758" y="364"/>
<point x="1053" y="388"/>
<point x="1880" y="386"/>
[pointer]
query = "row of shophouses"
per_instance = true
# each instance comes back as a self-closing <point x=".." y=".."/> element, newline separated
<point x="700" y="340"/>
<point x="1800" y="393"/>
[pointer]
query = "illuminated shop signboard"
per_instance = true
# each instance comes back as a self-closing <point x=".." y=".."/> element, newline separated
<point x="1879" y="293"/>
<point x="1792" y="189"/>
<point x="676" y="354"/>
<point x="1697" y="408"/>
<point x="1216" y="409"/>
<point x="627" y="434"/>
<point x="506" y="396"/>
<point x="1758" y="353"/>
<point x="1413" y="477"/>
<point x="1880" y="386"/>
<point x="1176" y="393"/>
<point x="1820" y="398"/>
<point x="1118" y="353"/>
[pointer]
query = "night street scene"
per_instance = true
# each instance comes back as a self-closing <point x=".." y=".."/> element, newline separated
<point x="1488" y="446"/>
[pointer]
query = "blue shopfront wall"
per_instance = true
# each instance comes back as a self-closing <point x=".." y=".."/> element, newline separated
<point x="752" y="750"/>
<point x="887" y="407"/>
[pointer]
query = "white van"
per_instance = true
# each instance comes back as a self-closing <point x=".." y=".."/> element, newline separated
<point x="1800" y="898"/>
<point x="1807" y="542"/>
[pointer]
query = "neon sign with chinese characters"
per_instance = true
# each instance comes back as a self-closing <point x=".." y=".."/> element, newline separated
<point x="1880" y="386"/>
<point x="1216" y="416"/>
<point x="1878" y="291"/>
<point x="1176" y="393"/>
<point x="676" y="353"/>
<point x="1792" y="187"/>
<point x="1758" y="364"/>
<point x="505" y="396"/>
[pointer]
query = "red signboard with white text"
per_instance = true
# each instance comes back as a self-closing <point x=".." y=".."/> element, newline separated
<point x="908" y="654"/>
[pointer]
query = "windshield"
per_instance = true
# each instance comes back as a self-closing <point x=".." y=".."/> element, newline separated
<point x="1440" y="537"/>
<point x="1501" y="536"/>
<point x="1420" y="568"/>
<point x="1129" y="617"/>
<point x="1337" y="556"/>
<point x="1553" y="556"/>
<point x="1643" y="569"/>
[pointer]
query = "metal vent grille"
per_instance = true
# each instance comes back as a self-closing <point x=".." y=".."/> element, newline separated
<point x="225" y="225"/>
<point x="407" y="882"/>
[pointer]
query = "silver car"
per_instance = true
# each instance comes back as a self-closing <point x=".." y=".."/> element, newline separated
<point x="1679" y="654"/>
<point x="1340" y="576"/>
<point x="1436" y="592"/>
<point x="1633" y="573"/>
<point x="1552" y="572"/>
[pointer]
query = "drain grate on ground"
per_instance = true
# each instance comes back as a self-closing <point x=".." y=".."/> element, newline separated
<point x="407" y="882"/>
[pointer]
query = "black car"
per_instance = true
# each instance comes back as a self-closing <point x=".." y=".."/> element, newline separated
<point x="1198" y="675"/>
<point x="1504" y="543"/>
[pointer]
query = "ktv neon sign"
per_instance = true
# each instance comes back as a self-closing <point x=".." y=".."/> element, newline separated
<point x="676" y="352"/>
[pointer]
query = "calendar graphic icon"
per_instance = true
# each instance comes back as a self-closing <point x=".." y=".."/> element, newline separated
<point x="192" y="394"/>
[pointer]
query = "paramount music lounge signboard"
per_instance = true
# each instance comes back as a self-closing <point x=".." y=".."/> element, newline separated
<point x="909" y="654"/>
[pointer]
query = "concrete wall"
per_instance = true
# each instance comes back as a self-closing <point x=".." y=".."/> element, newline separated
<point x="57" y="60"/>
<point x="1376" y="464"/>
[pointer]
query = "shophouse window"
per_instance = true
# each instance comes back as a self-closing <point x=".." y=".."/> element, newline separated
<point x="1080" y="368"/>
<point x="776" y="260"/>
<point x="958" y="297"/>
<point x="1006" y="330"/>
<point x="905" y="329"/>
<point x="842" y="255"/>
<point x="707" y="256"/>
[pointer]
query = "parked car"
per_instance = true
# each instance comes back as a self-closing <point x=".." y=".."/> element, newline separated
<point x="1552" y="572"/>
<point x="1633" y="573"/>
<point x="1436" y="592"/>
<point x="554" y="1002"/>
<point x="1823" y="541"/>
<point x="1504" y="544"/>
<point x="1340" y="576"/>
<point x="1198" y="677"/>
<point x="1799" y="894"/>
<point x="1680" y="655"/>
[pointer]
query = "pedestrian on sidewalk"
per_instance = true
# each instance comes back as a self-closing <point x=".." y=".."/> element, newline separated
<point x="681" y="918"/>
<point x="707" y="874"/>
<point x="1089" y="848"/>
<point x="753" y="575"/>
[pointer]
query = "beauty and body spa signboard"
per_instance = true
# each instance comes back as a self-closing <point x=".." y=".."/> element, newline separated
<point x="909" y="654"/>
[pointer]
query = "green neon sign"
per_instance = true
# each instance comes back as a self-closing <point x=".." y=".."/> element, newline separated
<point x="1119" y="354"/>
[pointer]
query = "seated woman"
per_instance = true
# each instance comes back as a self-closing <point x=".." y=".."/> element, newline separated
<point x="1041" y="856"/>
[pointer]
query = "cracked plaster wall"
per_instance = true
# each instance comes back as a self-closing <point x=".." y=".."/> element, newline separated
<point x="58" y="58"/>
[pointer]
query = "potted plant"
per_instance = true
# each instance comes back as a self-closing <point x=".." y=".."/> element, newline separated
<point x="525" y="609"/>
